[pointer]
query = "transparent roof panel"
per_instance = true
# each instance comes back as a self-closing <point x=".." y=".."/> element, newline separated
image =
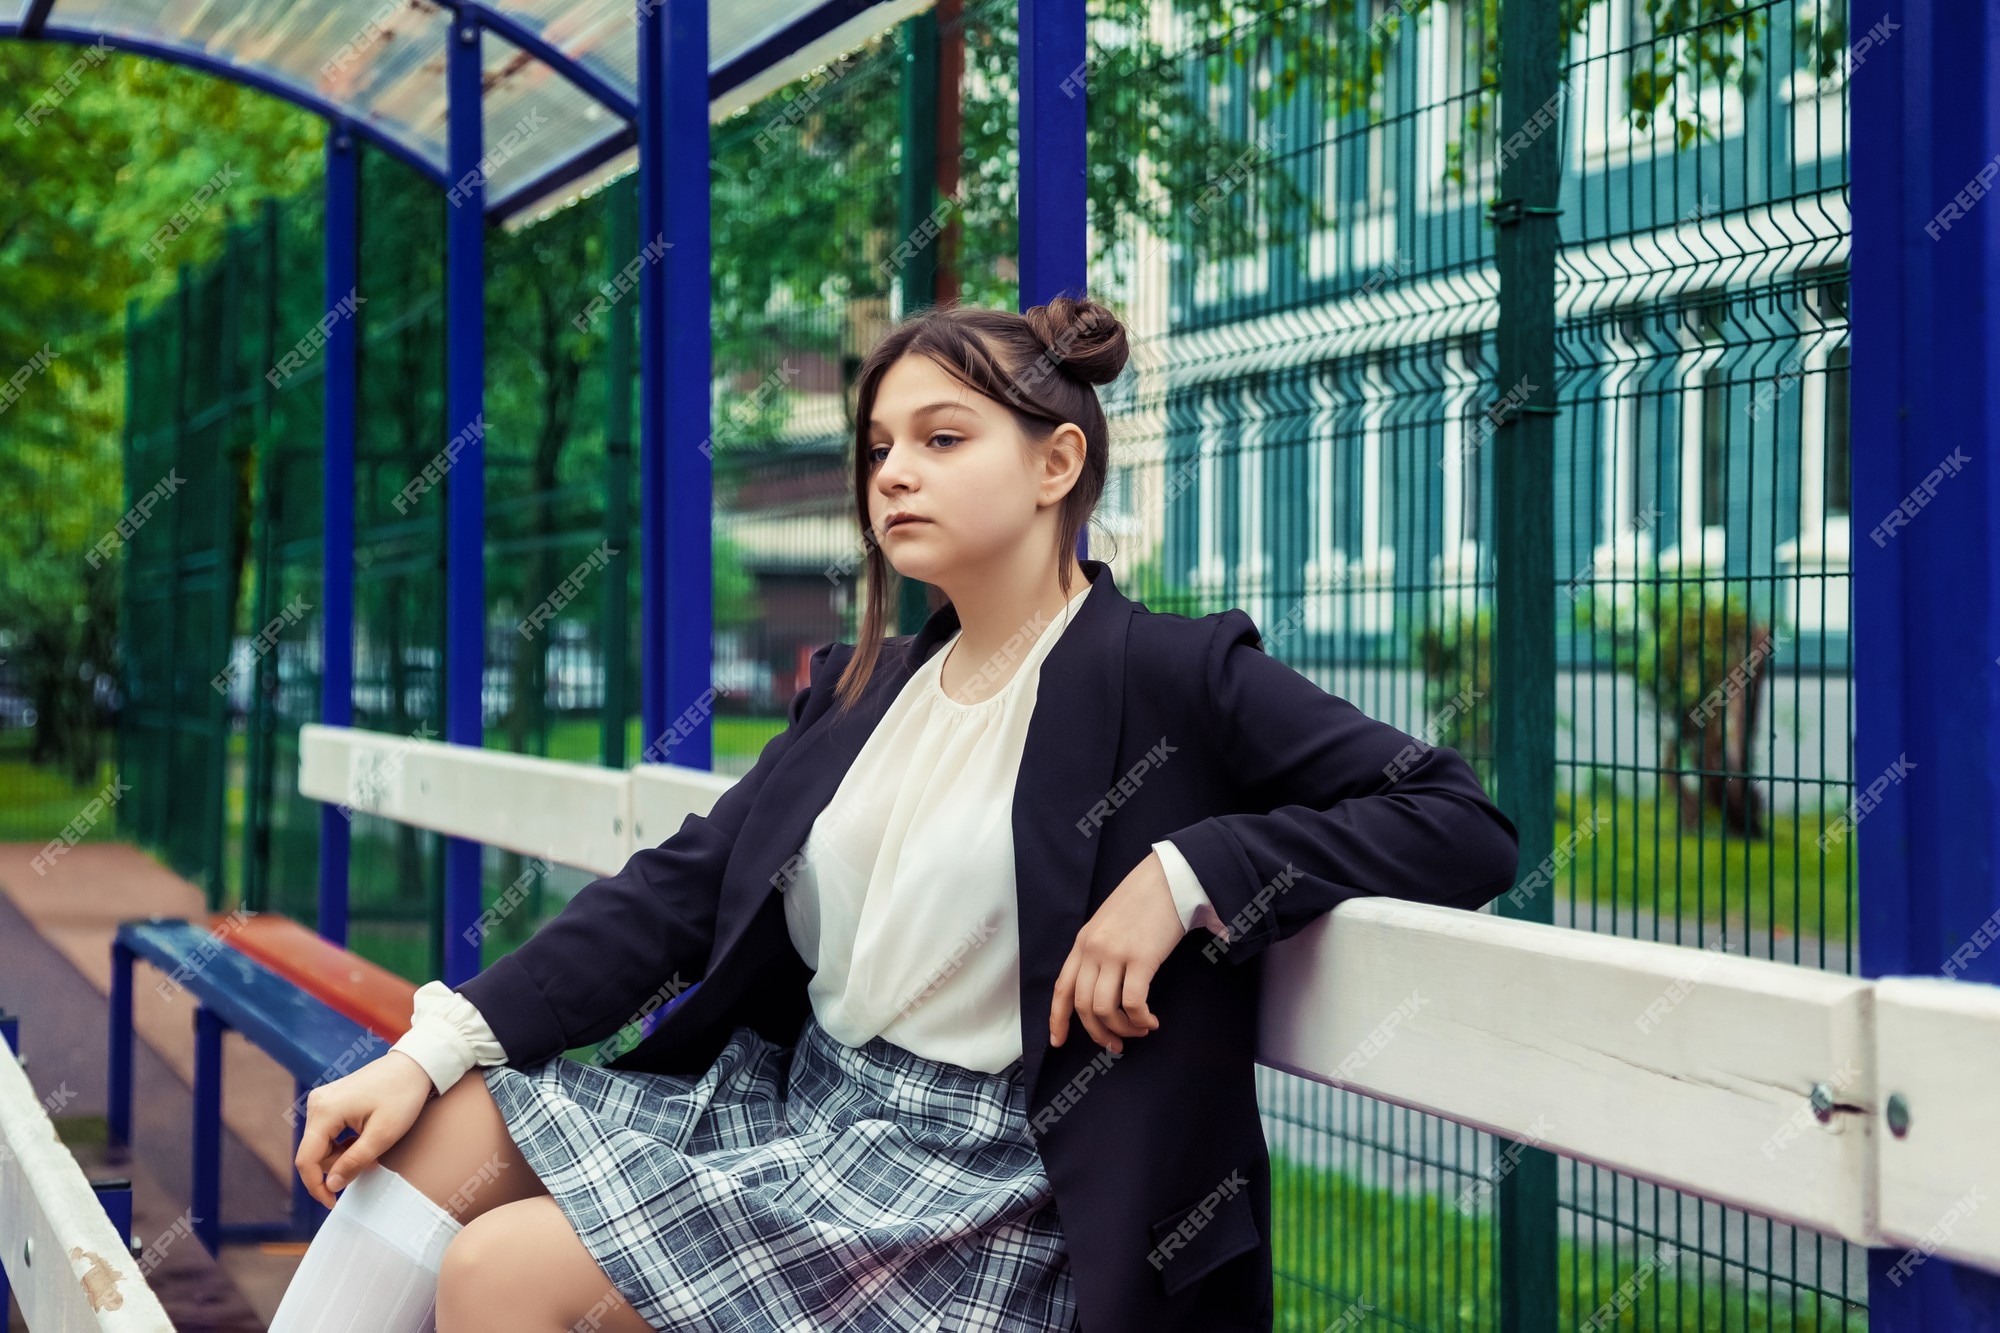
<point x="382" y="63"/>
<point x="536" y="120"/>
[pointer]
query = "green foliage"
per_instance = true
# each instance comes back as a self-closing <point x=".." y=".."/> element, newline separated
<point x="1146" y="580"/>
<point x="1709" y="44"/>
<point x="1456" y="653"/>
<point x="1696" y="651"/>
<point x="127" y="146"/>
<point x="1678" y="638"/>
<point x="1819" y="35"/>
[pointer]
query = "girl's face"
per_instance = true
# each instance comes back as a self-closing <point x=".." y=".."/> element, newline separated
<point x="956" y="460"/>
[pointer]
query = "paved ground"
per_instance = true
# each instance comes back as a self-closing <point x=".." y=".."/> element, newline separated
<point x="55" y="966"/>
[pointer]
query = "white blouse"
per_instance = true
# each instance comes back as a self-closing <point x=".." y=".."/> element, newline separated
<point x="904" y="903"/>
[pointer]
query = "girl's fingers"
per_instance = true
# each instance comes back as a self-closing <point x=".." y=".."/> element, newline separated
<point x="1138" y="980"/>
<point x="1060" y="1003"/>
<point x="1104" y="1001"/>
<point x="1086" y="989"/>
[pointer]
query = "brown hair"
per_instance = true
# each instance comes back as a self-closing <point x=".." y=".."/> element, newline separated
<point x="1043" y="365"/>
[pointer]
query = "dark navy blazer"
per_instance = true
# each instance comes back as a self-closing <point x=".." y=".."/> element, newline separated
<point x="1264" y="781"/>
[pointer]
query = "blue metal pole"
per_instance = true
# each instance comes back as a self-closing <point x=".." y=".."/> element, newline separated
<point x="675" y="358"/>
<point x="1925" y="823"/>
<point x="465" y="483"/>
<point x="1053" y="208"/>
<point x="116" y="1196"/>
<point x="118" y="1082"/>
<point x="336" y="686"/>
<point x="205" y="1167"/>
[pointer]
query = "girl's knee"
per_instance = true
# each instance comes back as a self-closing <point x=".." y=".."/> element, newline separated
<point x="523" y="1266"/>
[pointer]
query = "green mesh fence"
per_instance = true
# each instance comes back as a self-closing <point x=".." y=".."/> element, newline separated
<point x="1309" y="432"/>
<point x="1289" y="203"/>
<point x="1703" y="536"/>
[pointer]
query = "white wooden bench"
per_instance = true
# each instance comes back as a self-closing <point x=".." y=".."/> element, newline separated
<point x="1757" y="1084"/>
<point x="59" y="1250"/>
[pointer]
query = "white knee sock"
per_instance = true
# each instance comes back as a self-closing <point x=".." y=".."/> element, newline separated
<point x="373" y="1267"/>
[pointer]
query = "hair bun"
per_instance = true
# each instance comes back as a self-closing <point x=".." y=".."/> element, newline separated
<point x="1083" y="339"/>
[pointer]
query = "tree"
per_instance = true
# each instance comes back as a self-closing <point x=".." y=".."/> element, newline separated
<point x="103" y="156"/>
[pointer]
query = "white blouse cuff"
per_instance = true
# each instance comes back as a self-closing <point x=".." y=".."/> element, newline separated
<point x="447" y="1036"/>
<point x="1189" y="897"/>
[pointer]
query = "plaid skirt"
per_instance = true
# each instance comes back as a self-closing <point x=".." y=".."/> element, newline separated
<point x="802" y="1189"/>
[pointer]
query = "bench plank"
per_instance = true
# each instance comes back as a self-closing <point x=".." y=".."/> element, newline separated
<point x="1937" y="1043"/>
<point x="664" y="795"/>
<point x="572" y="814"/>
<point x="1691" y="1068"/>
<point x="300" y="1032"/>
<point x="79" y="1273"/>
<point x="350" y="985"/>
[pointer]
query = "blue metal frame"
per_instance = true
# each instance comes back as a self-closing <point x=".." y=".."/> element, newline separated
<point x="787" y="41"/>
<point x="1053" y="194"/>
<point x="223" y="69"/>
<point x="589" y="160"/>
<point x="801" y="32"/>
<point x="36" y="18"/>
<point x="336" y="689"/>
<point x="118" y="1081"/>
<point x="465" y="482"/>
<point x="205" y="1170"/>
<point x="1054" y="257"/>
<point x="1925" y="141"/>
<point x="675" y="355"/>
<point x="502" y="25"/>
<point x="233" y="993"/>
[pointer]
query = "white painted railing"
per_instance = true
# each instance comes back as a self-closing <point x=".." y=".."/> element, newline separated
<point x="1758" y="1084"/>
<point x="67" y="1264"/>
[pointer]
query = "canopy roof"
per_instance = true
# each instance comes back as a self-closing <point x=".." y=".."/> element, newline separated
<point x="561" y="76"/>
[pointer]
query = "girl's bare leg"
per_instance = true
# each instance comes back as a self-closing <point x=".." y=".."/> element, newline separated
<point x="460" y="1154"/>
<point x="520" y="1268"/>
<point x="373" y="1267"/>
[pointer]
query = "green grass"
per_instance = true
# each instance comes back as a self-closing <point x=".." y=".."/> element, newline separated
<point x="1637" y="857"/>
<point x="36" y="803"/>
<point x="1414" y="1261"/>
<point x="735" y="738"/>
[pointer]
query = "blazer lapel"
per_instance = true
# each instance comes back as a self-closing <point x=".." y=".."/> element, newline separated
<point x="1066" y="768"/>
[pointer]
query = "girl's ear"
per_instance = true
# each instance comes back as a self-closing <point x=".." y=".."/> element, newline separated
<point x="1062" y="462"/>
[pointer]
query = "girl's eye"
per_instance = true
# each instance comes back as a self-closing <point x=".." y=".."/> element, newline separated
<point x="875" y="453"/>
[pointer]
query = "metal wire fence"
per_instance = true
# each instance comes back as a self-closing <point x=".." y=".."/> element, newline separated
<point x="1291" y="205"/>
<point x="1309" y="432"/>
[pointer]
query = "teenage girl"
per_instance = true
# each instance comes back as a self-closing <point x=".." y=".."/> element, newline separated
<point x="1049" y="811"/>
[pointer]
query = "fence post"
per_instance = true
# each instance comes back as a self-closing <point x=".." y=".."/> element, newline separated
<point x="465" y="491"/>
<point x="172" y="810"/>
<point x="127" y="754"/>
<point x="259" y="717"/>
<point x="222" y="532"/>
<point x="916" y="281"/>
<point x="676" y="360"/>
<point x="1926" y="514"/>
<point x="620" y="232"/>
<point x="1054" y="142"/>
<point x="1525" y="574"/>
<point x="336" y="682"/>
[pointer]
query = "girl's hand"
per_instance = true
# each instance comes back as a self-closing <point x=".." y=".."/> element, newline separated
<point x="378" y="1101"/>
<point x="1110" y="967"/>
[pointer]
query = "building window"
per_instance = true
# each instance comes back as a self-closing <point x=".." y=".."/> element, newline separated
<point x="1838" y="479"/>
<point x="1714" y="446"/>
